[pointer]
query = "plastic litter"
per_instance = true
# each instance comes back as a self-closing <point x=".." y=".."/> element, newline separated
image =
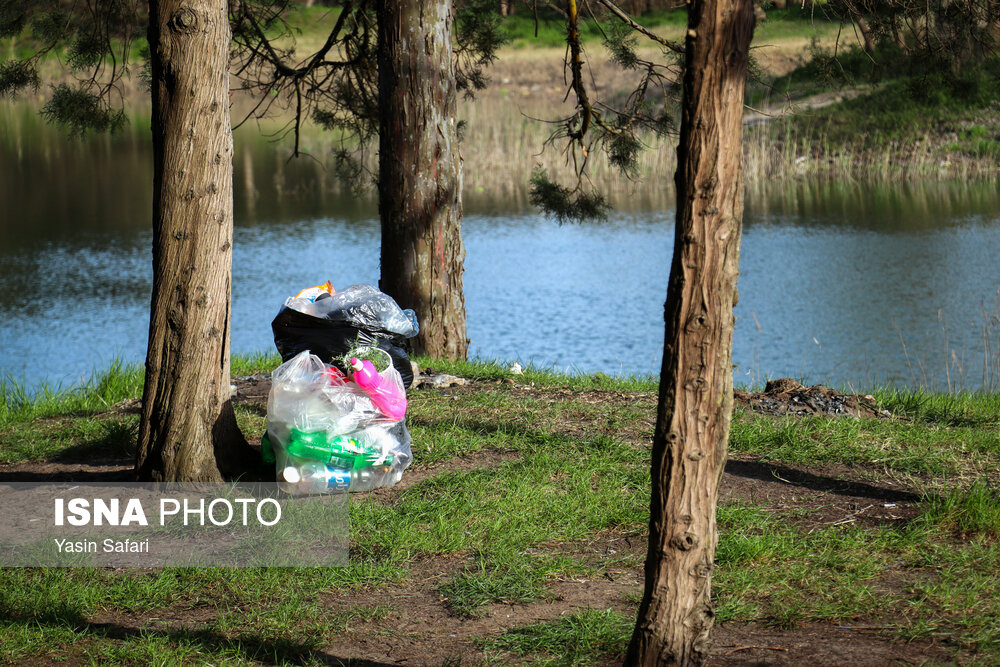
<point x="364" y="306"/>
<point x="325" y="432"/>
<point x="330" y="323"/>
<point x="337" y="404"/>
<point x="314" y="478"/>
<point x="388" y="397"/>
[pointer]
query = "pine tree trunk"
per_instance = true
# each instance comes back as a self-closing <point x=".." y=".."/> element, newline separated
<point x="695" y="404"/>
<point x="420" y="175"/>
<point x="188" y="431"/>
<point x="866" y="34"/>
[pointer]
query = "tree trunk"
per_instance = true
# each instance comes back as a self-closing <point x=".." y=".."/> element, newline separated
<point x="188" y="431"/>
<point x="420" y="175"/>
<point x="695" y="403"/>
<point x="866" y="34"/>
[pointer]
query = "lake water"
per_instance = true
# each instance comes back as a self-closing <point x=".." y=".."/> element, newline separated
<point x="851" y="285"/>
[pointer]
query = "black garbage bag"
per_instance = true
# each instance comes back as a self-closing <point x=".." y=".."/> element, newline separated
<point x="357" y="315"/>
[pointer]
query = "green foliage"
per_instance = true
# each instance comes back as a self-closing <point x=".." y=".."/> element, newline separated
<point x="379" y="357"/>
<point x="80" y="111"/>
<point x="622" y="42"/>
<point x="566" y="205"/>
<point x="88" y="35"/>
<point x="13" y="18"/>
<point x="478" y="36"/>
<point x="51" y="25"/>
<point x="86" y="52"/>
<point x="16" y="75"/>
<point x="550" y="30"/>
<point x="623" y="153"/>
<point x="936" y="34"/>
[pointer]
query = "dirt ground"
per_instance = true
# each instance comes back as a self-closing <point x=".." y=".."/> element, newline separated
<point x="422" y="631"/>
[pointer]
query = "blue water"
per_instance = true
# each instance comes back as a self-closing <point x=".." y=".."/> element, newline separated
<point x="819" y="300"/>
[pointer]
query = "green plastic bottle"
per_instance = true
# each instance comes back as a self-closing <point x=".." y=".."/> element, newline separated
<point x="339" y="451"/>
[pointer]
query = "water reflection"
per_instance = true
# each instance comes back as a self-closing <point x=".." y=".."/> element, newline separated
<point x="836" y="278"/>
<point x="903" y="207"/>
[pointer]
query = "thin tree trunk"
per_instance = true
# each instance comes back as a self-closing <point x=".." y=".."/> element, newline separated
<point x="695" y="404"/>
<point x="866" y="34"/>
<point x="188" y="431"/>
<point x="420" y="175"/>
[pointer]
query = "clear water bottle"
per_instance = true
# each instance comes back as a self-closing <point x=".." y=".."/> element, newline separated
<point x="314" y="478"/>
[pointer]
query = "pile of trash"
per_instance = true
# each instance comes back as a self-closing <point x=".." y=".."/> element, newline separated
<point x="787" y="397"/>
<point x="337" y="406"/>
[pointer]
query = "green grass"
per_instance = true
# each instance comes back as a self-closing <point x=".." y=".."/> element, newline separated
<point x="896" y="445"/>
<point x="100" y="392"/>
<point x="972" y="513"/>
<point x="899" y="121"/>
<point x="774" y="574"/>
<point x="517" y="482"/>
<point x="582" y="638"/>
<point x="493" y="369"/>
<point x="509" y="577"/>
<point x="551" y="28"/>
<point x="72" y="421"/>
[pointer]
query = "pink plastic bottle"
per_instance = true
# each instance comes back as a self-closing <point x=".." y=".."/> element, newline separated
<point x="387" y="397"/>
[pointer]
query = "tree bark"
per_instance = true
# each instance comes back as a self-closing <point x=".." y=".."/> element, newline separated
<point x="866" y="34"/>
<point x="420" y="175"/>
<point x="695" y="401"/>
<point x="188" y="431"/>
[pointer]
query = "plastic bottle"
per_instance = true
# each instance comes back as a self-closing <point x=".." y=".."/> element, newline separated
<point x="389" y="398"/>
<point x="339" y="451"/>
<point x="314" y="478"/>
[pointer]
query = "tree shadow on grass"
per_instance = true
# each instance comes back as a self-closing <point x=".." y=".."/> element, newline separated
<point x="116" y="443"/>
<point x="78" y="476"/>
<point x="276" y="650"/>
<point x="770" y="472"/>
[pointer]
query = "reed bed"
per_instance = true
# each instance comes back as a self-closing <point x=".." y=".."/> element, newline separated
<point x="507" y="134"/>
<point x="506" y="140"/>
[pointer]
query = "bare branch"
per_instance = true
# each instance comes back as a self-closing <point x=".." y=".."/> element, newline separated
<point x="622" y="16"/>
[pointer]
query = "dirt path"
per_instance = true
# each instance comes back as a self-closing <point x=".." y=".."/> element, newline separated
<point x="790" y="106"/>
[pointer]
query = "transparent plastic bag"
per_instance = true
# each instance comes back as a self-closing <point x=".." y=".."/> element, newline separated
<point x="307" y="475"/>
<point x="327" y="435"/>
<point x="305" y="301"/>
<point x="329" y="325"/>
<point x="365" y="307"/>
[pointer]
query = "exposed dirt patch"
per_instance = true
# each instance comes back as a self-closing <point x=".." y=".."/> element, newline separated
<point x="818" y="644"/>
<point x="817" y="496"/>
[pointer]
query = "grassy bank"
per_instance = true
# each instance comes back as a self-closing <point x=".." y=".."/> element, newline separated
<point x="518" y="534"/>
